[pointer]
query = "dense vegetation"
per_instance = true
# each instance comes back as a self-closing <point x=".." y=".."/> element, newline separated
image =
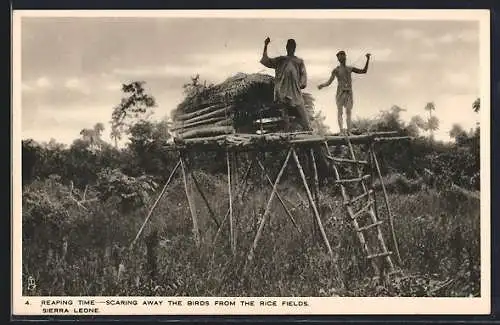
<point x="84" y="203"/>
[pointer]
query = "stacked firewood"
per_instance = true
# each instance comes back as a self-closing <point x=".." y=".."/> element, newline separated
<point x="233" y="106"/>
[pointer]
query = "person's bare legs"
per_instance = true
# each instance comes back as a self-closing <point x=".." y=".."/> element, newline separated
<point x="348" y="113"/>
<point x="340" y="108"/>
<point x="340" y="117"/>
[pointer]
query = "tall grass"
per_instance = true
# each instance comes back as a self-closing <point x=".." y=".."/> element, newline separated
<point x="69" y="250"/>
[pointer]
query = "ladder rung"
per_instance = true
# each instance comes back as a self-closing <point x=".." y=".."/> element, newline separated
<point x="378" y="223"/>
<point x="362" y="210"/>
<point x="379" y="255"/>
<point x="347" y="161"/>
<point x="352" y="180"/>
<point x="357" y="198"/>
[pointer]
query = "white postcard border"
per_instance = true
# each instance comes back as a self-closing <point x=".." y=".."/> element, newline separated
<point x="333" y="305"/>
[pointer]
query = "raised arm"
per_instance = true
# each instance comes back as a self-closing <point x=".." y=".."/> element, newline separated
<point x="265" y="60"/>
<point x="329" y="82"/>
<point x="365" y="69"/>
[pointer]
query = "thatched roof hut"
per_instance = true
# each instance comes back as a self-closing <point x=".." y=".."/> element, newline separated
<point x="241" y="104"/>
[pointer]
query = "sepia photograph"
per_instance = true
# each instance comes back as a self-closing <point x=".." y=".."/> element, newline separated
<point x="203" y="156"/>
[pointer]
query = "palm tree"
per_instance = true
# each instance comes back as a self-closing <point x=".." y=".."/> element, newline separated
<point x="432" y="122"/>
<point x="476" y="105"/>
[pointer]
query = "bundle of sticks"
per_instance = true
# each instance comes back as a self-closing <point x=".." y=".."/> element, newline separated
<point x="232" y="106"/>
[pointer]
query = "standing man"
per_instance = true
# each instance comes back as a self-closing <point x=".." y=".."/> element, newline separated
<point x="344" y="97"/>
<point x="290" y="79"/>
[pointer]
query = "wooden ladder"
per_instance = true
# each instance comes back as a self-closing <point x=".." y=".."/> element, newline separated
<point x="372" y="226"/>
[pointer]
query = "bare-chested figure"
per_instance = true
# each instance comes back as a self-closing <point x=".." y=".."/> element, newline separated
<point x="290" y="79"/>
<point x="344" y="96"/>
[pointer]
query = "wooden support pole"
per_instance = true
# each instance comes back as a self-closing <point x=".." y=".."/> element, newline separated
<point x="315" y="175"/>
<point x="190" y="199"/>
<point x="386" y="199"/>
<point x="240" y="189"/>
<point x="312" y="204"/>
<point x="278" y="196"/>
<point x="231" y="225"/>
<point x="316" y="188"/>
<point x="267" y="210"/>
<point x="150" y="213"/>
<point x="210" y="210"/>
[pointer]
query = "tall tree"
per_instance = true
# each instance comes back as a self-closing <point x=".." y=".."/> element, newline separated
<point x="93" y="136"/>
<point x="136" y="105"/>
<point x="432" y="122"/>
<point x="458" y="133"/>
<point x="115" y="135"/>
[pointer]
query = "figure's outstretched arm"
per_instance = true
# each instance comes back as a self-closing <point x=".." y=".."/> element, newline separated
<point x="365" y="69"/>
<point x="329" y="82"/>
<point x="266" y="60"/>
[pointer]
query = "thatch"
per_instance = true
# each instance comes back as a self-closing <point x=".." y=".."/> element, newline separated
<point x="231" y="106"/>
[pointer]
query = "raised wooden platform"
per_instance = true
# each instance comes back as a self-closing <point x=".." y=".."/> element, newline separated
<point x="249" y="142"/>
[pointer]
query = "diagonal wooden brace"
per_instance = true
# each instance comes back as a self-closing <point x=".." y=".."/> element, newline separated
<point x="312" y="203"/>
<point x="267" y="210"/>
<point x="278" y="196"/>
<point x="150" y="213"/>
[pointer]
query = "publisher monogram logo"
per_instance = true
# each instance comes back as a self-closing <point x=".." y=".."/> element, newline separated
<point x="31" y="283"/>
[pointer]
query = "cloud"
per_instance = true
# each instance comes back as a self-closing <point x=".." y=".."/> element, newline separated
<point x="458" y="79"/>
<point x="469" y="35"/>
<point x="43" y="82"/>
<point x="214" y="67"/>
<point x="354" y="55"/>
<point x="113" y="86"/>
<point x="432" y="39"/>
<point x="37" y="85"/>
<point x="72" y="83"/>
<point x="319" y="71"/>
<point x="62" y="98"/>
<point x="403" y="80"/>
<point x="65" y="124"/>
<point x="409" y="34"/>
<point x="428" y="56"/>
<point x="26" y="88"/>
<point x="77" y="84"/>
<point x="217" y="66"/>
<point x="452" y="108"/>
<point x="462" y="36"/>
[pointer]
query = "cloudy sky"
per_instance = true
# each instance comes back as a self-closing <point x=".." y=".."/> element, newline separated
<point x="72" y="68"/>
